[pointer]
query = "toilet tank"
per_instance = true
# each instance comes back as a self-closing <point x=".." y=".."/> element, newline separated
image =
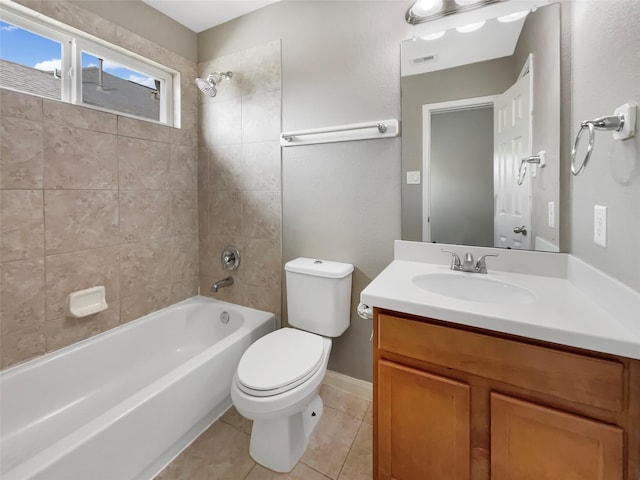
<point x="319" y="295"/>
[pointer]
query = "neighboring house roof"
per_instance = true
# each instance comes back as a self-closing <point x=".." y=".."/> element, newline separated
<point x="27" y="79"/>
<point x="116" y="93"/>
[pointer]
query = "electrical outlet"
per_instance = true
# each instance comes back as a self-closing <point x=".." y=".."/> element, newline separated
<point x="600" y="225"/>
<point x="552" y="214"/>
<point x="413" y="178"/>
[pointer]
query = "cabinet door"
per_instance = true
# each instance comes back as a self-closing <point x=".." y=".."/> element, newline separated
<point x="531" y="442"/>
<point x="423" y="425"/>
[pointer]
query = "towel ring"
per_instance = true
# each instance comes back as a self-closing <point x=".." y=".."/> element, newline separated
<point x="622" y="123"/>
<point x="592" y="136"/>
<point x="539" y="159"/>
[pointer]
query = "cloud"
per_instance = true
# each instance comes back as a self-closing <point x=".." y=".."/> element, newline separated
<point x="8" y="28"/>
<point x="146" y="81"/>
<point x="107" y="65"/>
<point x="49" y="65"/>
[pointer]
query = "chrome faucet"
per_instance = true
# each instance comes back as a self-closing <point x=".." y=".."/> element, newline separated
<point x="468" y="264"/>
<point x="225" y="282"/>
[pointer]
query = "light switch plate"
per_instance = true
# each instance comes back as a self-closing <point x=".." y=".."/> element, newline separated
<point x="600" y="225"/>
<point x="413" y="178"/>
<point x="552" y="214"/>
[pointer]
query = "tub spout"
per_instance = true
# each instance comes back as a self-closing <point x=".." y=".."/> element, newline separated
<point x="226" y="282"/>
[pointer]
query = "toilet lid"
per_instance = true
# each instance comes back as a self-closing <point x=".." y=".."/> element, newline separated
<point x="279" y="362"/>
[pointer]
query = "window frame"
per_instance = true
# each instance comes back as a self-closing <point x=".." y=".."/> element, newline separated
<point x="74" y="42"/>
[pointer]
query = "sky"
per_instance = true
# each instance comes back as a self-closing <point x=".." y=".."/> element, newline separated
<point x="26" y="48"/>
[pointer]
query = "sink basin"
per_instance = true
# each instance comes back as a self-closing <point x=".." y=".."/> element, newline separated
<point x="473" y="288"/>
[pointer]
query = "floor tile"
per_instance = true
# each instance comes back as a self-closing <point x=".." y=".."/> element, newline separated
<point x="339" y="449"/>
<point x="182" y="468"/>
<point x="299" y="472"/>
<point x="344" y="401"/>
<point x="359" y="464"/>
<point x="368" y="417"/>
<point x="331" y="441"/>
<point x="226" y="451"/>
<point x="233" y="418"/>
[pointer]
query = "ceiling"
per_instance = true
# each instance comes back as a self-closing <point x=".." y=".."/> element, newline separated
<point x="199" y="15"/>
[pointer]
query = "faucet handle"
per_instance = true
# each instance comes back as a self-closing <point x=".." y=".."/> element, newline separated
<point x="456" y="264"/>
<point x="481" y="266"/>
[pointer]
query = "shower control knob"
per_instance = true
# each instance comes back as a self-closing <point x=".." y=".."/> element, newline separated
<point x="230" y="258"/>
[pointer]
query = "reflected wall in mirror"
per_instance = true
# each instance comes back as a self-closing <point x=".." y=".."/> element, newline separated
<point x="477" y="109"/>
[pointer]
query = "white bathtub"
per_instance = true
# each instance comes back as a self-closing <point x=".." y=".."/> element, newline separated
<point x="121" y="405"/>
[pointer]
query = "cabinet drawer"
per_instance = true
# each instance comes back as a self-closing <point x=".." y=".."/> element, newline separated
<point x="577" y="378"/>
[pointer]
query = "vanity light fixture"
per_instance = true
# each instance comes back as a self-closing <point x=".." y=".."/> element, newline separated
<point x="513" y="17"/>
<point x="472" y="27"/>
<point x="427" y="7"/>
<point x="424" y="10"/>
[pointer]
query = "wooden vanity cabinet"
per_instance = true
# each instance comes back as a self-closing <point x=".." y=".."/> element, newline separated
<point x="458" y="403"/>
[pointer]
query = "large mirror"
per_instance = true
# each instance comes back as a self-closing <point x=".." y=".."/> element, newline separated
<point x="481" y="133"/>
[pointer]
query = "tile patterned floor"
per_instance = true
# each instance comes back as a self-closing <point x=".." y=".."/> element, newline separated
<point x="339" y="449"/>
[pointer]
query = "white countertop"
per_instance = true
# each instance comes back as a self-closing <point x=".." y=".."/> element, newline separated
<point x="561" y="312"/>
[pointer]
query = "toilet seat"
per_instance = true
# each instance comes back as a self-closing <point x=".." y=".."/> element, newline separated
<point x="279" y="362"/>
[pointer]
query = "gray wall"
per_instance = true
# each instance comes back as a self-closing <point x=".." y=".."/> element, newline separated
<point x="603" y="79"/>
<point x="468" y="81"/>
<point x="541" y="36"/>
<point x="340" y="201"/>
<point x="353" y="75"/>
<point x="461" y="177"/>
<point x="147" y="22"/>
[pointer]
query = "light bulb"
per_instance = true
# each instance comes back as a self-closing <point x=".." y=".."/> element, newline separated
<point x="472" y="27"/>
<point x="427" y="7"/>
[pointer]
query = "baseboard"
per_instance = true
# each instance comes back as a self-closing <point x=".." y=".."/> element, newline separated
<point x="361" y="388"/>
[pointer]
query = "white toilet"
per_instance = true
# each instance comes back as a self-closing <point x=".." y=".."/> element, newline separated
<point x="277" y="380"/>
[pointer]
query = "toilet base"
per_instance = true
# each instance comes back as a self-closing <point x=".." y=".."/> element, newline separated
<point x="279" y="443"/>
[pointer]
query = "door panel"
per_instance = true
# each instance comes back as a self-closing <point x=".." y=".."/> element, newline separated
<point x="512" y="142"/>
<point x="424" y="425"/>
<point x="531" y="442"/>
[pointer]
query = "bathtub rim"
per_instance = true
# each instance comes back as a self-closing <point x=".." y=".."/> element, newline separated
<point x="50" y="356"/>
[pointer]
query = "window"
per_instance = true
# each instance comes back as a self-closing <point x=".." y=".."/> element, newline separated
<point x="55" y="61"/>
<point x="109" y="85"/>
<point x="31" y="57"/>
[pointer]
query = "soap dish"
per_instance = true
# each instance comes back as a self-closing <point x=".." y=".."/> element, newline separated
<point x="87" y="302"/>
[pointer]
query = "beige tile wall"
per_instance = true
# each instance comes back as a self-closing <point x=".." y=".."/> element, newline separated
<point x="239" y="177"/>
<point x="90" y="198"/>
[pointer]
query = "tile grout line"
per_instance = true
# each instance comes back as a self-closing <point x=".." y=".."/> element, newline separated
<point x="350" y="449"/>
<point x="316" y="470"/>
<point x="249" y="472"/>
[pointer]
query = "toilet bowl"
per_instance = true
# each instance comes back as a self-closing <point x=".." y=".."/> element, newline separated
<point x="277" y="380"/>
<point x="285" y="415"/>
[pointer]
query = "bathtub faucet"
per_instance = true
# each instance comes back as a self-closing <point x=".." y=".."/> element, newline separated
<point x="226" y="282"/>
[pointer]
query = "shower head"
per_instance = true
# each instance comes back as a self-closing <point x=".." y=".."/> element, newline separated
<point x="209" y="85"/>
